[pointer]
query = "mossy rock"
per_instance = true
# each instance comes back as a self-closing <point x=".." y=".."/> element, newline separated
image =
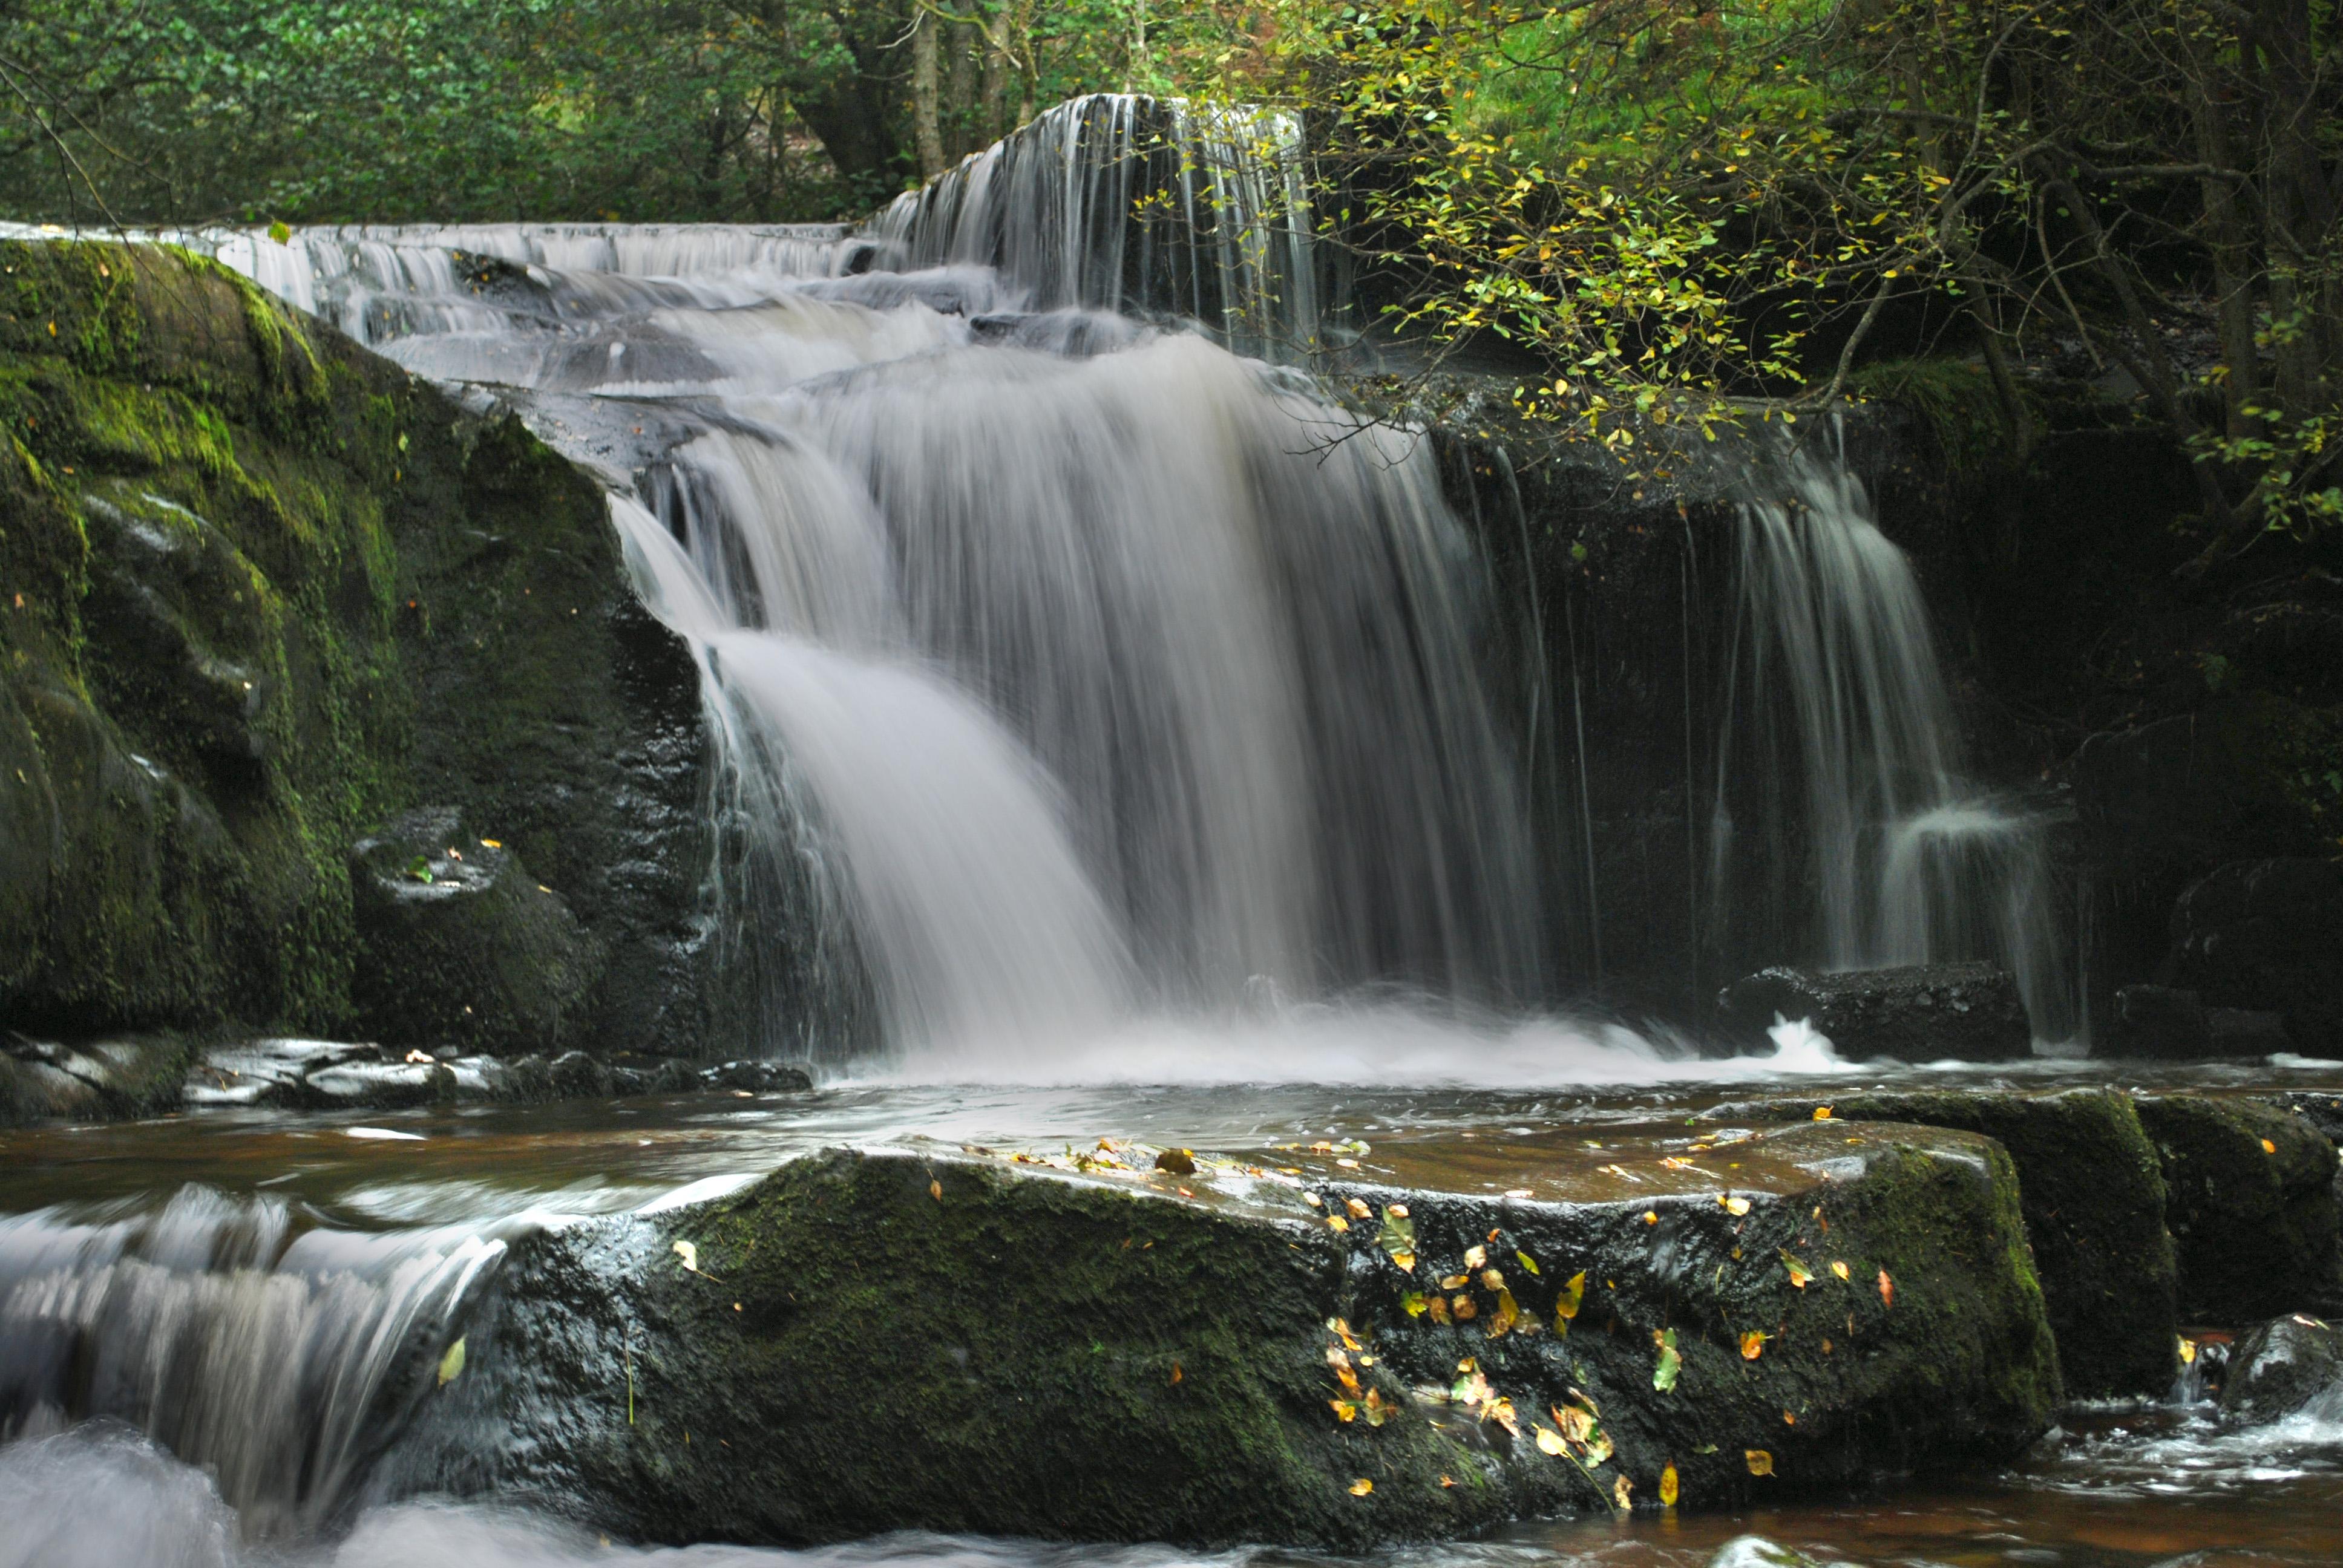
<point x="260" y="591"/>
<point x="2092" y="1190"/>
<point x="2251" y="1207"/>
<point x="940" y="1341"/>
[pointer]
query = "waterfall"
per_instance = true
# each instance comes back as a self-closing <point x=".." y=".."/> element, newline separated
<point x="1837" y="706"/>
<point x="1136" y="206"/>
<point x="1064" y="669"/>
<point x="277" y="1355"/>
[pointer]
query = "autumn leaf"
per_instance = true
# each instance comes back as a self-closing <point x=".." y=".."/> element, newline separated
<point x="1464" y="1309"/>
<point x="1506" y="1314"/>
<point x="1397" y="1237"/>
<point x="1375" y="1408"/>
<point x="1342" y="1365"/>
<point x="1839" y="1269"/>
<point x="1760" y="1461"/>
<point x="1527" y="1261"/>
<point x="1550" y="1443"/>
<point x="1358" y="1209"/>
<point x="1361" y="1486"/>
<point x="1347" y="1409"/>
<point x="1752" y="1345"/>
<point x="1475" y="1257"/>
<point x="1438" y="1307"/>
<point x="936" y="1191"/>
<point x="1336" y="1222"/>
<point x="1823" y="1113"/>
<point x="452" y="1363"/>
<point x="1567" y="1301"/>
<point x="1668" y="1490"/>
<point x="1664" y="1375"/>
<point x="1575" y="1423"/>
<point x="2268" y="1147"/>
<point x="1887" y="1289"/>
<point x="2188" y="1351"/>
<point x="1621" y="1490"/>
<point x="1502" y="1412"/>
<point x="1736" y="1207"/>
<point x="1451" y="1282"/>
<point x="1491" y="1280"/>
<point x="1413" y="1304"/>
<point x="1800" y="1275"/>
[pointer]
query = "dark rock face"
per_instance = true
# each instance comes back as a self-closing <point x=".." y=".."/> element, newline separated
<point x="2092" y="1191"/>
<point x="128" y="1076"/>
<point x="2286" y="1366"/>
<point x="265" y="592"/>
<point x="459" y="944"/>
<point x="2251" y="1205"/>
<point x="1919" y="1013"/>
<point x="838" y="1352"/>
<point x="2267" y="935"/>
<point x="2160" y="1023"/>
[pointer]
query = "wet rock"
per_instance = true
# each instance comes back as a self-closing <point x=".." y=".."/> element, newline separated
<point x="1756" y="1552"/>
<point x="757" y="1077"/>
<point x="1922" y="1013"/>
<point x="458" y="942"/>
<point x="2157" y="1023"/>
<point x="383" y="1085"/>
<point x="2281" y="1367"/>
<point x="268" y="1071"/>
<point x="2091" y="1186"/>
<point x="839" y="1353"/>
<point x="134" y="1075"/>
<point x="578" y="1076"/>
<point x="2267" y="935"/>
<point x="2243" y="1033"/>
<point x="2250" y="1201"/>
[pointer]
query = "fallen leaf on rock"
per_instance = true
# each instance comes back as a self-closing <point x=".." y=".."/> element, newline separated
<point x="1447" y="1481"/>
<point x="1760" y="1463"/>
<point x="936" y="1191"/>
<point x="1358" y="1209"/>
<point x="1736" y="1207"/>
<point x="1505" y="1315"/>
<point x="1491" y="1280"/>
<point x="1464" y="1309"/>
<point x="1823" y="1113"/>
<point x="1346" y="1409"/>
<point x="1361" y="1486"/>
<point x="1567" y="1300"/>
<point x="1800" y="1275"/>
<point x="451" y="1363"/>
<point x="1621" y="1490"/>
<point x="2268" y="1147"/>
<point x="1413" y="1304"/>
<point x="1438" y="1307"/>
<point x="1475" y="1257"/>
<point x="1527" y="1261"/>
<point x="1311" y="1199"/>
<point x="1550" y="1443"/>
<point x="1336" y="1222"/>
<point x="1664" y="1374"/>
<point x="1650" y="1216"/>
<point x="1752" y="1345"/>
<point x="2188" y="1351"/>
<point x="1840" y="1270"/>
<point x="689" y="1254"/>
<point x="1341" y="1329"/>
<point x="1886" y="1289"/>
<point x="1376" y="1409"/>
<point x="1176" y="1373"/>
<point x="1668" y="1489"/>
<point x="1397" y="1237"/>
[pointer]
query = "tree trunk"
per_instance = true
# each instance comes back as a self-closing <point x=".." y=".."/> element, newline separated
<point x="926" y="127"/>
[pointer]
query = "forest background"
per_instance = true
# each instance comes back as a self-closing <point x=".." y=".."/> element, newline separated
<point x="1676" y="210"/>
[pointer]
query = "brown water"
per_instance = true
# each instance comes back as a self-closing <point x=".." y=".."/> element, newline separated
<point x="2113" y="1489"/>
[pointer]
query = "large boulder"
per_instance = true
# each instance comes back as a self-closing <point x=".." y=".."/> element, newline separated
<point x="2250" y="1200"/>
<point x="2284" y="1366"/>
<point x="121" y="1076"/>
<point x="1921" y="1012"/>
<point x="264" y="592"/>
<point x="2091" y="1186"/>
<point x="459" y="944"/>
<point x="1090" y="1348"/>
<point x="2267" y="935"/>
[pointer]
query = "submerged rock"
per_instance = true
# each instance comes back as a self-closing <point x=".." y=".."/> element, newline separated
<point x="936" y="1340"/>
<point x="2251" y="1204"/>
<point x="1921" y="1012"/>
<point x="2282" y="1367"/>
<point x="131" y="1075"/>
<point x="2092" y="1190"/>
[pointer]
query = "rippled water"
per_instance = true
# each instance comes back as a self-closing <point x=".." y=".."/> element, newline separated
<point x="275" y="1195"/>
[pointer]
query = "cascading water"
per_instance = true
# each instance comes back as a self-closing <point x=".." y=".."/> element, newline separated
<point x="1839" y="709"/>
<point x="1075" y="669"/>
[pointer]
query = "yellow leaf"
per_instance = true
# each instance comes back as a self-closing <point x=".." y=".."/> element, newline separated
<point x="1452" y="1283"/>
<point x="492" y="844"/>
<point x="1361" y="1486"/>
<point x="1404" y="1260"/>
<point x="1359" y="1209"/>
<point x="1651" y="1217"/>
<point x="1752" y="1345"/>
<point x="1550" y="1443"/>
<point x="451" y="1363"/>
<point x="1527" y="1261"/>
<point x="1336" y="1222"/>
<point x="2188" y="1351"/>
<point x="1347" y="1409"/>
<point x="1475" y="1257"/>
<point x="2268" y="1147"/>
<point x="1736" y="1207"/>
<point x="936" y="1191"/>
<point x="1508" y="1312"/>
<point x="1760" y="1463"/>
<point x="1567" y="1301"/>
<point x="1414" y="1303"/>
<point x="1490" y="1279"/>
<point x="1822" y="1114"/>
<point x="1621" y="1490"/>
<point x="1668" y="1490"/>
<point x="1839" y="1269"/>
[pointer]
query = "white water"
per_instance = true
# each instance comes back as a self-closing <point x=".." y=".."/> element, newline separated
<point x="1838" y="710"/>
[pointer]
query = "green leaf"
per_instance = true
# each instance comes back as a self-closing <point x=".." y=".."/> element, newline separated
<point x="1664" y="1375"/>
<point x="451" y="1363"/>
<point x="281" y="232"/>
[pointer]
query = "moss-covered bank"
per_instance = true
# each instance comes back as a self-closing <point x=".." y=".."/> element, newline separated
<point x="260" y="590"/>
